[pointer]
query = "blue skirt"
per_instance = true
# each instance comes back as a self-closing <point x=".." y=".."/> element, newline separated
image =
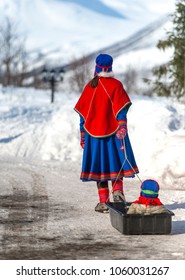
<point x="103" y="159"/>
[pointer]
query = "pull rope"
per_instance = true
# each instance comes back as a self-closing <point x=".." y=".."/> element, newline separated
<point x="126" y="159"/>
<point x="124" y="148"/>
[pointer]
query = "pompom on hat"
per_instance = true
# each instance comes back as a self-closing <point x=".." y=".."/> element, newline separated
<point x="103" y="63"/>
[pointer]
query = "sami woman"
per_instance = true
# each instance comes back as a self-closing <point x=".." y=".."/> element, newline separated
<point x="103" y="107"/>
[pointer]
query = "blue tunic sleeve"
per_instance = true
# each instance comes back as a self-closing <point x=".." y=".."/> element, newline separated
<point x="122" y="115"/>
<point x="82" y="124"/>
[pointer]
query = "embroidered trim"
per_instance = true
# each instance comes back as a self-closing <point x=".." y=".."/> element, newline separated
<point x="108" y="176"/>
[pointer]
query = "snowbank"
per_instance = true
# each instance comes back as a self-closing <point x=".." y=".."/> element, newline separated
<point x="32" y="127"/>
<point x="157" y="130"/>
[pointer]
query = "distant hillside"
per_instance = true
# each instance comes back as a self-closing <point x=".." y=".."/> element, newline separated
<point x="61" y="31"/>
<point x="78" y="27"/>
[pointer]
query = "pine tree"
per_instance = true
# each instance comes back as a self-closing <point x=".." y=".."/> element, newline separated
<point x="170" y="77"/>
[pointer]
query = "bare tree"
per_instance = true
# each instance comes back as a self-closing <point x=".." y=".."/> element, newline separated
<point x="130" y="79"/>
<point x="12" y="54"/>
<point x="80" y="74"/>
<point x="134" y="80"/>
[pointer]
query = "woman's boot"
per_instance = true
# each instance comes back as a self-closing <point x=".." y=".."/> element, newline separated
<point x="103" y="192"/>
<point x="117" y="189"/>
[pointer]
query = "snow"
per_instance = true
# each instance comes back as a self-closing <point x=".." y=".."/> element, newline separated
<point x="34" y="128"/>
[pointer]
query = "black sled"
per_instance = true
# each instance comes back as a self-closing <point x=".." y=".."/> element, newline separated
<point x="130" y="224"/>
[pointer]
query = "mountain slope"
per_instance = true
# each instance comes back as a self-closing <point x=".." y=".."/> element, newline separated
<point x="79" y="26"/>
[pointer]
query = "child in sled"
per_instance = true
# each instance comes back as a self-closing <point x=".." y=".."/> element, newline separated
<point x="103" y="107"/>
<point x="148" y="202"/>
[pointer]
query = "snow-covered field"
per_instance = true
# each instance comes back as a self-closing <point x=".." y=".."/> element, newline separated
<point x="32" y="127"/>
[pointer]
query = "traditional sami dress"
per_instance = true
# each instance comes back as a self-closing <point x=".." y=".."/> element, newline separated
<point x="101" y="110"/>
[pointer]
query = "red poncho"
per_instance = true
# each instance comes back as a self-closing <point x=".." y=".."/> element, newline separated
<point x="100" y="106"/>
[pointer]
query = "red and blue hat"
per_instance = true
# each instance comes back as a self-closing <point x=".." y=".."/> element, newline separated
<point x="103" y="63"/>
<point x="150" y="189"/>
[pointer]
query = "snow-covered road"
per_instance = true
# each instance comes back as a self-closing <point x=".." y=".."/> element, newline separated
<point x="47" y="213"/>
